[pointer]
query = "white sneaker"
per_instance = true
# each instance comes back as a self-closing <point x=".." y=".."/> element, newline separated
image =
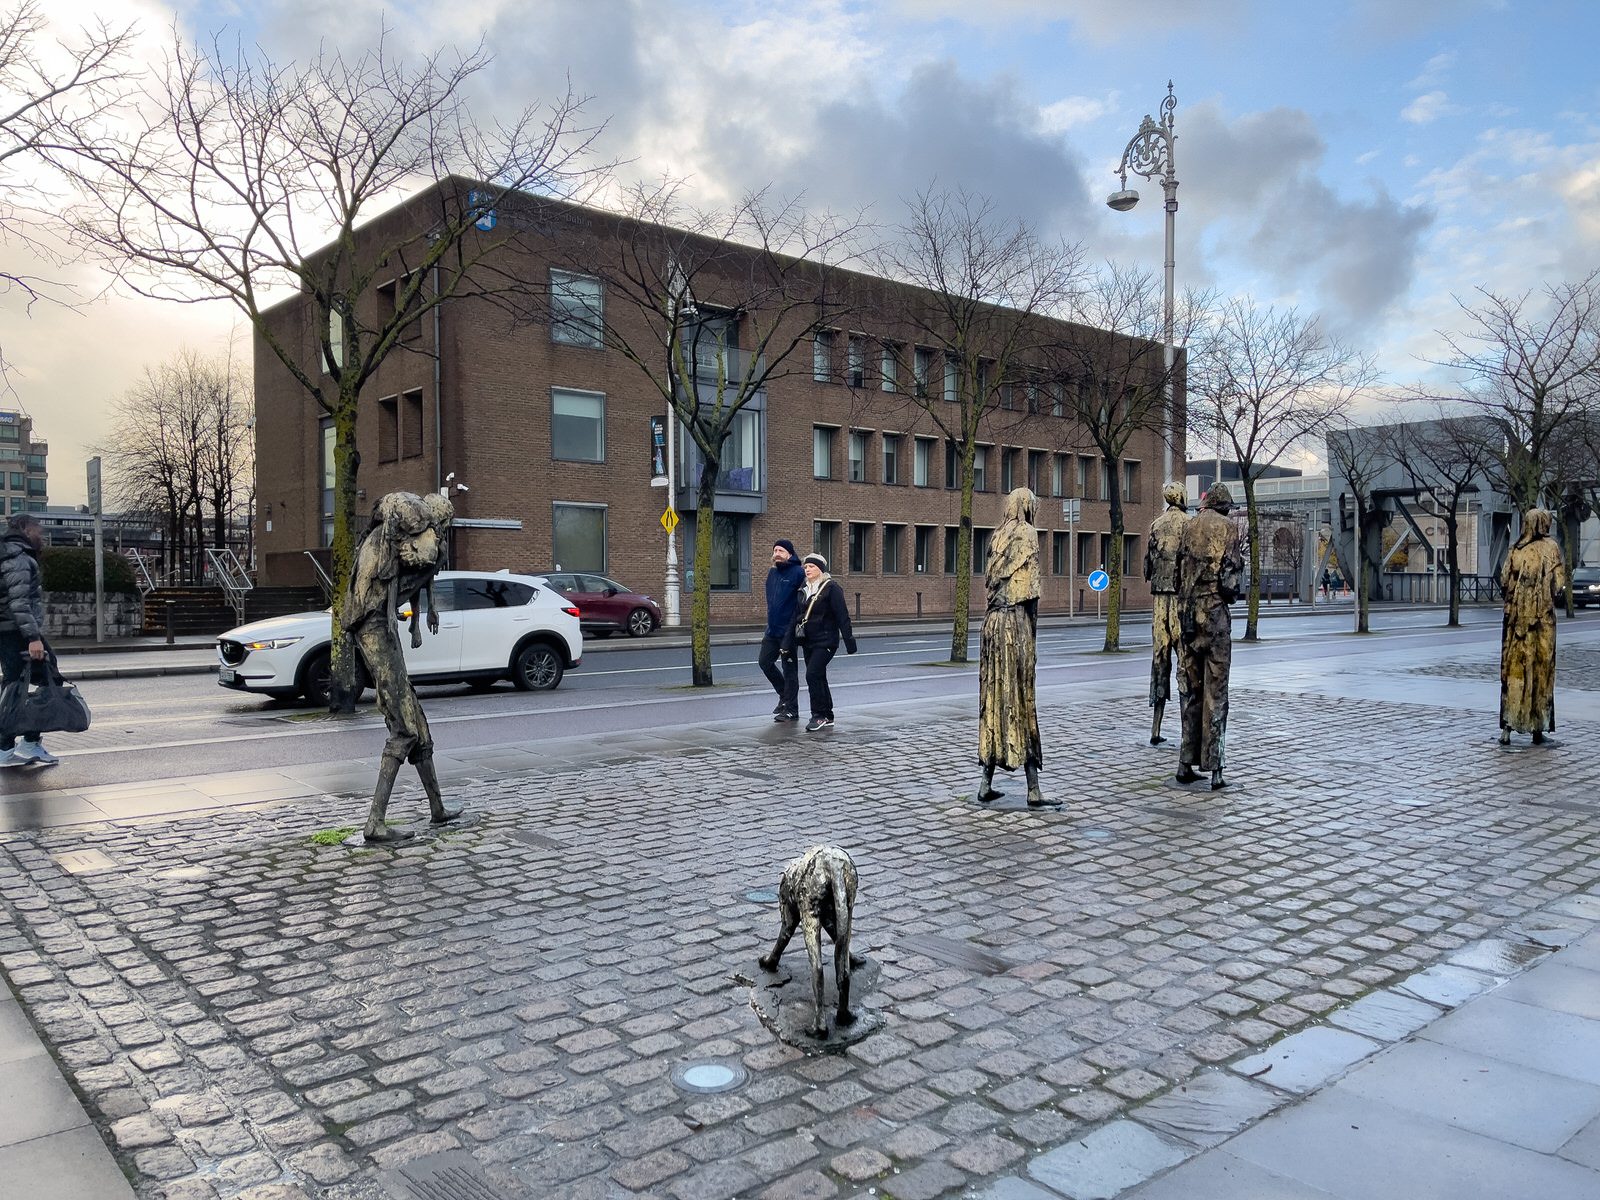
<point x="34" y="752"/>
<point x="8" y="758"/>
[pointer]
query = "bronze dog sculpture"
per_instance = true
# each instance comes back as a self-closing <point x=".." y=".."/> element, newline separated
<point x="818" y="892"/>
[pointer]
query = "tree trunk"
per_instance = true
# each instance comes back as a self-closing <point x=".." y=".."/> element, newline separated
<point x="1363" y="598"/>
<point x="1452" y="552"/>
<point x="958" y="626"/>
<point x="700" y="605"/>
<point x="1113" y="565"/>
<point x="346" y="465"/>
<point x="1253" y="531"/>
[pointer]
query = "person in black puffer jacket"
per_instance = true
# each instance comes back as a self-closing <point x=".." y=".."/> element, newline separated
<point x="784" y="582"/>
<point x="821" y="621"/>
<point x="22" y="626"/>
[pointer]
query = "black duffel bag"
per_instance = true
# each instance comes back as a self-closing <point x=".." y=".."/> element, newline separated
<point x="53" y="706"/>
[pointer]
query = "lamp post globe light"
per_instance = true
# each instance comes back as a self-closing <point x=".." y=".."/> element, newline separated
<point x="1149" y="153"/>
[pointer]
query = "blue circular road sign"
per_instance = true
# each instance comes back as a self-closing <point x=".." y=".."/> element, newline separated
<point x="1099" y="581"/>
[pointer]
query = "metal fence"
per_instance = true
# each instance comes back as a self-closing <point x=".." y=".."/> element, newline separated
<point x="1429" y="587"/>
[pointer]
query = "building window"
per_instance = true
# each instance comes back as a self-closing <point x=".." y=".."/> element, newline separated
<point x="860" y="543"/>
<point x="980" y="550"/>
<point x="1008" y="397"/>
<point x="1106" y="483"/>
<point x="388" y="429"/>
<point x="889" y="365"/>
<point x="894" y="538"/>
<point x="1085" y="553"/>
<point x="923" y="561"/>
<point x="411" y="425"/>
<point x="741" y="467"/>
<point x="1058" y="474"/>
<point x="951" y="544"/>
<point x="1130" y="552"/>
<point x="335" y="341"/>
<point x="922" y="462"/>
<point x="952" y="468"/>
<point x="822" y="356"/>
<point x="1036" y="472"/>
<point x="576" y="314"/>
<point x="578" y="537"/>
<point x="856" y="360"/>
<point x="18" y="504"/>
<point x="822" y="452"/>
<point x="951" y="381"/>
<point x="35" y="486"/>
<point x="1008" y="469"/>
<point x="1105" y="550"/>
<point x="922" y="371"/>
<point x="857" y="461"/>
<point x="825" y="539"/>
<point x="891" y="458"/>
<point x="578" y="427"/>
<point x="17" y="481"/>
<point x="327" y="481"/>
<point x="980" y="469"/>
<point x="730" y="551"/>
<point x="1130" y="482"/>
<point x="10" y="433"/>
<point x="1058" y="399"/>
<point x="1083" y="477"/>
<point x="1060" y="551"/>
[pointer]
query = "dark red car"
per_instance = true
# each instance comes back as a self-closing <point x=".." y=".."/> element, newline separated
<point x="604" y="605"/>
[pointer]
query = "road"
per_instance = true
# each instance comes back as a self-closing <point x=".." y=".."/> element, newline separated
<point x="170" y="726"/>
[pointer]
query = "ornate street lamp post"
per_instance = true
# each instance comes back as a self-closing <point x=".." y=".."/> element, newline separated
<point x="1149" y="154"/>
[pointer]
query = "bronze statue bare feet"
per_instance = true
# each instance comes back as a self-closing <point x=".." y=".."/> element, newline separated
<point x="1187" y="774"/>
<point x="1217" y="781"/>
<point x="386" y="833"/>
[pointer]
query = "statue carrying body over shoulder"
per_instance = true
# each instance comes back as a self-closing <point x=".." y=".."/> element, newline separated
<point x="399" y="555"/>
<point x="1008" y="712"/>
<point x="1531" y="580"/>
<point x="1161" y="570"/>
<point x="1210" y="571"/>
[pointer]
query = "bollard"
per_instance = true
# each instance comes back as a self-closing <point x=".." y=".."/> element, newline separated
<point x="919" y="606"/>
<point x="858" y="606"/>
<point x="171" y="636"/>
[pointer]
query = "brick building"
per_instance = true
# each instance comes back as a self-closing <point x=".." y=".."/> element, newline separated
<point x="551" y="431"/>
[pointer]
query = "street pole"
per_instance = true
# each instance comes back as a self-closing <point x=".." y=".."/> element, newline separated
<point x="99" y="551"/>
<point x="1150" y="154"/>
<point x="671" y="612"/>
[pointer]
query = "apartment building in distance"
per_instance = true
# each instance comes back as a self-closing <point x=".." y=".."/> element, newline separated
<point x="24" y="465"/>
<point x="552" y="432"/>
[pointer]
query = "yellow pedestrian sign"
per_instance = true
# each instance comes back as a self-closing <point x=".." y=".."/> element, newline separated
<point x="669" y="520"/>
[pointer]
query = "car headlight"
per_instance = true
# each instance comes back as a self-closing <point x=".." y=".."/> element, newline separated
<point x="271" y="643"/>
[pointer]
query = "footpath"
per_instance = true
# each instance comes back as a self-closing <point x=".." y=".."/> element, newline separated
<point x="1370" y="968"/>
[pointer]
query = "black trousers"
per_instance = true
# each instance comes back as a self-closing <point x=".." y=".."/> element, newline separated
<point x="14" y="663"/>
<point x="817" y="660"/>
<point x="782" y="673"/>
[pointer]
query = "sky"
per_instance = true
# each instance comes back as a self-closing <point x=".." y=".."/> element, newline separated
<point x="1370" y="162"/>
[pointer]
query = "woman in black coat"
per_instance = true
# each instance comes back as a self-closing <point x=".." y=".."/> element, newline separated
<point x="821" y="621"/>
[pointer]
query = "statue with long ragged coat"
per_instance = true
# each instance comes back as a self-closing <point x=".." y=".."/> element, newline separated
<point x="395" y="563"/>
<point x="1008" y="712"/>
<point x="1532" y="580"/>
<point x="1161" y="572"/>
<point x="1210" y="573"/>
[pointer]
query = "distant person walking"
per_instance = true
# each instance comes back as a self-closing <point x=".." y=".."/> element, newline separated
<point x="784" y="581"/>
<point x="1533" y="577"/>
<point x="22" y="643"/>
<point x="821" y="621"/>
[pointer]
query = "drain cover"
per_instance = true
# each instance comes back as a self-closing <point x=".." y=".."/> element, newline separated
<point x="453" y="1175"/>
<point x="708" y="1077"/>
<point x="955" y="952"/>
<point x="84" y="862"/>
<point x="529" y="838"/>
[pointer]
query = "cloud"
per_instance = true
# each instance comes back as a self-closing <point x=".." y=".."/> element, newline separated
<point x="1434" y="71"/>
<point x="1093" y="20"/>
<point x="1429" y="107"/>
<point x="1072" y="111"/>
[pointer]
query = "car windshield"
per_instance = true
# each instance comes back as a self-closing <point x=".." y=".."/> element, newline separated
<point x="1586" y="575"/>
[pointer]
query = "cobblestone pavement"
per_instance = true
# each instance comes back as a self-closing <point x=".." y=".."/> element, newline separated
<point x="248" y="1014"/>
<point x="1577" y="665"/>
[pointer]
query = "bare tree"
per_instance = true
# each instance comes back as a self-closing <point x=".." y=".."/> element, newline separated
<point x="1449" y="458"/>
<point x="1532" y="367"/>
<point x="251" y="177"/>
<point x="1362" y="455"/>
<point x="1269" y="379"/>
<point x="50" y="95"/>
<point x="981" y="283"/>
<point x="1112" y="378"/>
<point x="712" y="306"/>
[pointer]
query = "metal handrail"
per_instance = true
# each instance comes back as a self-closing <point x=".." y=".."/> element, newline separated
<point x="233" y="577"/>
<point x="322" y="575"/>
<point x="141" y="571"/>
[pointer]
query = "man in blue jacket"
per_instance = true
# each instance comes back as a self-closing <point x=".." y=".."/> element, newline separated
<point x="784" y="582"/>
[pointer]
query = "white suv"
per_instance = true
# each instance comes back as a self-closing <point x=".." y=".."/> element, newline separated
<point x="491" y="627"/>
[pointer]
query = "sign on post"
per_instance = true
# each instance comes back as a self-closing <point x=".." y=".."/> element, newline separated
<point x="669" y="520"/>
<point x="658" y="452"/>
<point x="94" y="484"/>
<point x="1099" y="581"/>
<point x="1070" y="511"/>
<point x="99" y="551"/>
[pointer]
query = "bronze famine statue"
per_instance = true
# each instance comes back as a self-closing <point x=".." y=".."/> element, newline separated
<point x="818" y="892"/>
<point x="1008" y="714"/>
<point x="1210" y="568"/>
<point x="396" y="560"/>
<point x="1161" y="570"/>
<point x="1532" y="579"/>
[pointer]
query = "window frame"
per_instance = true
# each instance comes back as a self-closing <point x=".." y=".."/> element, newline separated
<point x="555" y="456"/>
<point x="564" y="323"/>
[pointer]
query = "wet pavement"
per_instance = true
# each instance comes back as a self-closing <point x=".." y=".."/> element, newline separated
<point x="1365" y="969"/>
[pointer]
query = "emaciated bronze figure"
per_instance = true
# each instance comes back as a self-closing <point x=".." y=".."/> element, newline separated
<point x="1210" y="570"/>
<point x="817" y="894"/>
<point x="401" y="552"/>
<point x="1532" y="579"/>
<point x="1008" y="713"/>
<point x="1161" y="570"/>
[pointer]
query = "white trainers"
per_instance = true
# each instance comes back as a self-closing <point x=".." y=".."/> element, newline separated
<point x="33" y="752"/>
<point x="8" y="758"/>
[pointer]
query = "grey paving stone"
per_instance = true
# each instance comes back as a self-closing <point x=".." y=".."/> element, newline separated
<point x="1210" y="1108"/>
<point x="1446" y="985"/>
<point x="1485" y="1095"/>
<point x="1218" y="1175"/>
<point x="1560" y="986"/>
<point x="1386" y="1016"/>
<point x="1014" y="1188"/>
<point x="1357" y="1148"/>
<point x="1584" y="1146"/>
<point x="35" y="1101"/>
<point x="1306" y="1060"/>
<point x="1541" y="1038"/>
<point x="17" y="1037"/>
<point x="1106" y="1162"/>
<point x="74" y="1165"/>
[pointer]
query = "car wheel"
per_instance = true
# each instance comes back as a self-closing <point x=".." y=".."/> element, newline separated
<point x="318" y="679"/>
<point x="537" y="668"/>
<point x="640" y="622"/>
